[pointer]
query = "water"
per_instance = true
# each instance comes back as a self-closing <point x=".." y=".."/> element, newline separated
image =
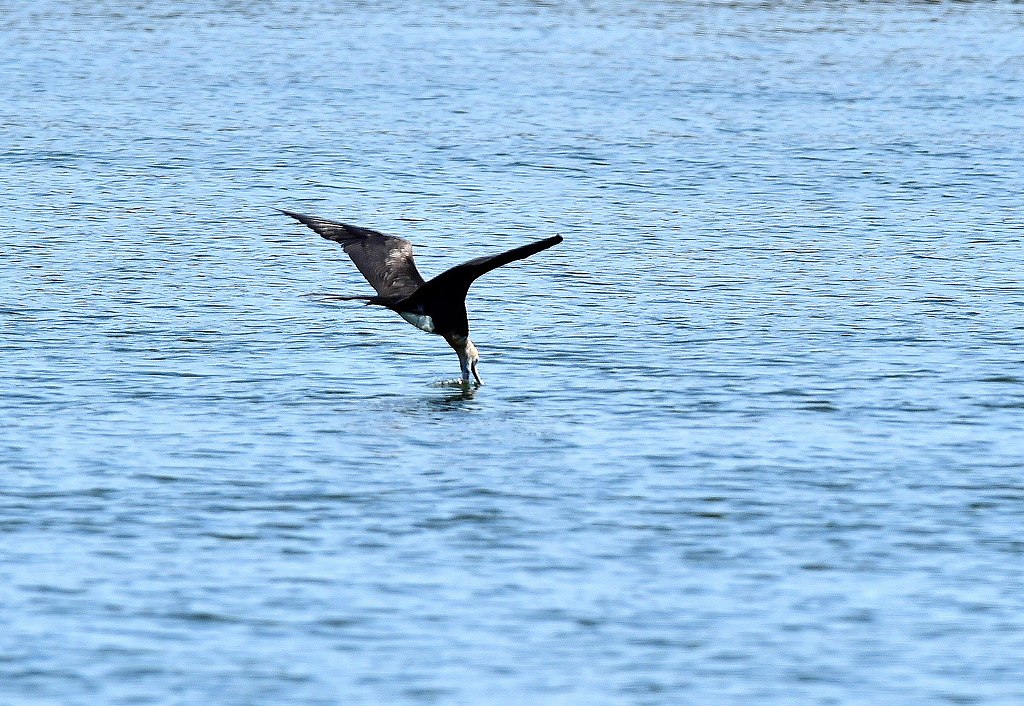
<point x="752" y="433"/>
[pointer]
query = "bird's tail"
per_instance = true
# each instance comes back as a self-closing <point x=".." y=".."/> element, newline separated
<point x="342" y="298"/>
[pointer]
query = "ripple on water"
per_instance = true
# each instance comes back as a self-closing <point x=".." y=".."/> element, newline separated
<point x="751" y="433"/>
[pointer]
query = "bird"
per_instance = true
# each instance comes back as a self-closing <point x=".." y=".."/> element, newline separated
<point x="437" y="306"/>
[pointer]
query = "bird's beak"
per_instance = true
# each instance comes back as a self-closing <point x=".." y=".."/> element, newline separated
<point x="476" y="373"/>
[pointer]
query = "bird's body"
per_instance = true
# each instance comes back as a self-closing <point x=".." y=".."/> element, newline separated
<point x="420" y="321"/>
<point x="436" y="306"/>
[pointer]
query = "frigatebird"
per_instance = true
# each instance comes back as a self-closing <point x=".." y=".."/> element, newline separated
<point x="437" y="306"/>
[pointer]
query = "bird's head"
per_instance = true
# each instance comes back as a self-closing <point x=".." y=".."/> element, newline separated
<point x="469" y="357"/>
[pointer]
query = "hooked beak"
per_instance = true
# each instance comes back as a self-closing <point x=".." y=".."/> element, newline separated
<point x="469" y="357"/>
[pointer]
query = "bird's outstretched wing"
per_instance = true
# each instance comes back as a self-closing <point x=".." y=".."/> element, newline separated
<point x="385" y="261"/>
<point x="454" y="283"/>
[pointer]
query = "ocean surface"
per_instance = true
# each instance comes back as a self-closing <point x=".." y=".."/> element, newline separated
<point x="754" y="433"/>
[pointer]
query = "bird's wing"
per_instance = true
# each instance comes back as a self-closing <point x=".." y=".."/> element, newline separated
<point x="455" y="282"/>
<point x="385" y="261"/>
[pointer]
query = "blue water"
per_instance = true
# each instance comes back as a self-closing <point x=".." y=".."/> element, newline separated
<point x="753" y="433"/>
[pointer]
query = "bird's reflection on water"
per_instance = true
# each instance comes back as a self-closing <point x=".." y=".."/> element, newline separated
<point x="456" y="394"/>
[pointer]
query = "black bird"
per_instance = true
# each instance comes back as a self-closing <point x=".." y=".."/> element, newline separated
<point x="437" y="306"/>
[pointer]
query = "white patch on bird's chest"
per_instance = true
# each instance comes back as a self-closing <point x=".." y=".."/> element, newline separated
<point x="420" y="321"/>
